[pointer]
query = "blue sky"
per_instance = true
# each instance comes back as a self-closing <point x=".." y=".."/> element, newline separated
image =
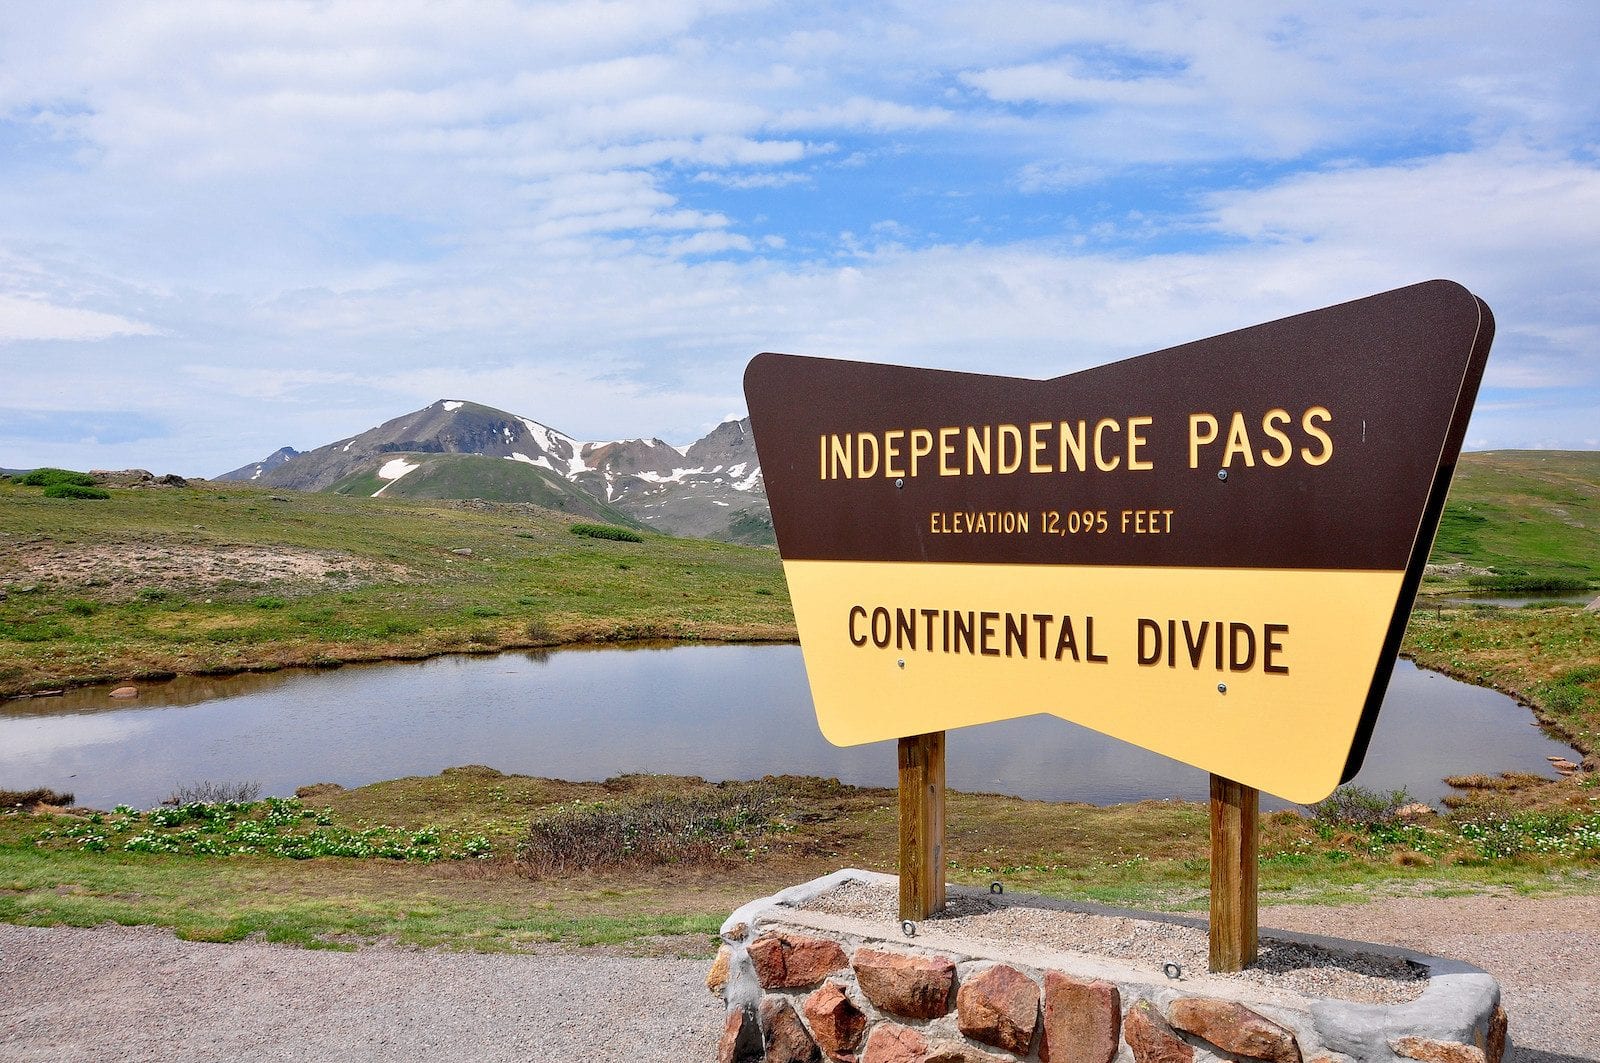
<point x="227" y="227"/>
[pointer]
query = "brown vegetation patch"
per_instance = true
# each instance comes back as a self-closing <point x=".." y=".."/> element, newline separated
<point x="35" y="798"/>
<point x="129" y="566"/>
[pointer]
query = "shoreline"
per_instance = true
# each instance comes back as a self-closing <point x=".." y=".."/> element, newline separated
<point x="318" y="662"/>
<point x="1547" y="721"/>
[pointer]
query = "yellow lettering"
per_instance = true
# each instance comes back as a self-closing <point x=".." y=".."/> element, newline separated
<point x="1077" y="444"/>
<point x="947" y="450"/>
<point x="891" y="451"/>
<point x="1286" y="449"/>
<point x="1238" y="442"/>
<point x="1037" y="445"/>
<point x="1322" y="456"/>
<point x="840" y="448"/>
<point x="1014" y="434"/>
<point x="1135" y="441"/>
<point x="978" y="449"/>
<point x="1100" y="460"/>
<point x="921" y="446"/>
<point x="863" y="470"/>
<point x="1196" y="440"/>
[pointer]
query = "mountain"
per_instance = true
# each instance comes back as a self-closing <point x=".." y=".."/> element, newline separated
<point x="456" y="449"/>
<point x="256" y="470"/>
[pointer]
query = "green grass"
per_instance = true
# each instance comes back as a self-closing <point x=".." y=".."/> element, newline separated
<point x="391" y="582"/>
<point x="1150" y="855"/>
<point x="327" y="903"/>
<point x="1527" y="515"/>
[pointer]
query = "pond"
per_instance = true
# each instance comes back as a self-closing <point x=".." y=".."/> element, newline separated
<point x="1507" y="599"/>
<point x="718" y="711"/>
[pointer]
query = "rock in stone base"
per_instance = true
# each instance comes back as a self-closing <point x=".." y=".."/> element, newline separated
<point x="836" y="1022"/>
<point x="784" y="1034"/>
<point x="1495" y="1049"/>
<point x="1430" y="1051"/>
<point x="915" y="987"/>
<point x="1081" y="1020"/>
<point x="999" y="1007"/>
<point x="1152" y="1039"/>
<point x="789" y="961"/>
<point x="717" y="977"/>
<point x="892" y="1043"/>
<point x="1234" y="1028"/>
<point x="960" y="1052"/>
<point x="741" y="1038"/>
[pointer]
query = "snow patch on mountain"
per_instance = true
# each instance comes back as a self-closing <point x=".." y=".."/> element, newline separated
<point x="541" y="461"/>
<point x="674" y="477"/>
<point x="392" y="470"/>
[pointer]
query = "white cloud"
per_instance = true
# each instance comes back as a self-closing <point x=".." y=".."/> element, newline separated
<point x="24" y="318"/>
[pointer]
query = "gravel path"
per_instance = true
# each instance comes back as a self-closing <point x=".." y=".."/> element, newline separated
<point x="116" y="993"/>
<point x="140" y="994"/>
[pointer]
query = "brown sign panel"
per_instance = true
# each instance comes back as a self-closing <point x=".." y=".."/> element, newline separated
<point x="1209" y="551"/>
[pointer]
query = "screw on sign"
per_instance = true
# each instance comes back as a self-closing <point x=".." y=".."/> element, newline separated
<point x="1246" y="515"/>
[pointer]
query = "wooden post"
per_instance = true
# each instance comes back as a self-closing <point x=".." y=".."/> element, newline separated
<point x="921" y="825"/>
<point x="1235" y="839"/>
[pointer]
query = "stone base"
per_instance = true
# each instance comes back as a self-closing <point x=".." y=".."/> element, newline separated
<point x="803" y="982"/>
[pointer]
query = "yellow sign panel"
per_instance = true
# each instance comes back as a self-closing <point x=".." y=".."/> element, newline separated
<point x="1209" y="551"/>
<point x="1196" y="664"/>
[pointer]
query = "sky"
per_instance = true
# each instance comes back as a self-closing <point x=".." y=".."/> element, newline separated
<point x="229" y="227"/>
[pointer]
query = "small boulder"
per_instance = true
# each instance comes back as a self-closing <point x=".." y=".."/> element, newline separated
<point x="1082" y="1020"/>
<point x="793" y="961"/>
<point x="960" y="1052"/>
<point x="784" y="1035"/>
<point x="1234" y="1028"/>
<point x="892" y="1043"/>
<point x="741" y="1038"/>
<point x="1152" y="1038"/>
<point x="836" y="1022"/>
<point x="915" y="987"/>
<point x="125" y="692"/>
<point x="1428" y="1050"/>
<point x="717" y="977"/>
<point x="1495" y="1048"/>
<point x="999" y="1007"/>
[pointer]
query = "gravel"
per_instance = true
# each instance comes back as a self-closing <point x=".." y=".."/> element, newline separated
<point x="1366" y="978"/>
<point x="116" y="993"/>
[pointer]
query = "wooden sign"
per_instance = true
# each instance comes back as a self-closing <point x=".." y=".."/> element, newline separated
<point x="1209" y="551"/>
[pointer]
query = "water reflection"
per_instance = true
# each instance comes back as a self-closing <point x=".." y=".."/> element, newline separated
<point x="716" y="711"/>
<point x="1504" y="600"/>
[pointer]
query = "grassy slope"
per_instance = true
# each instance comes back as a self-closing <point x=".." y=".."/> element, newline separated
<point x="1525" y="511"/>
<point x="494" y="479"/>
<point x="398" y="589"/>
